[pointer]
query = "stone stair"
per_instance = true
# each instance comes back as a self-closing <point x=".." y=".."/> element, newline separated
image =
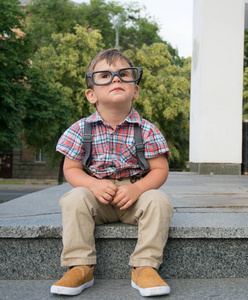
<point x="208" y="235"/>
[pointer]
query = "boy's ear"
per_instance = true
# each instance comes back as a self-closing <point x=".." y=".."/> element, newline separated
<point x="136" y="92"/>
<point x="91" y="96"/>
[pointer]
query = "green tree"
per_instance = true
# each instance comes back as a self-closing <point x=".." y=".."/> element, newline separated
<point x="128" y="22"/>
<point x="14" y="66"/>
<point x="165" y="97"/>
<point x="66" y="64"/>
<point x="246" y="49"/>
<point x="31" y="108"/>
<point x="245" y="95"/>
<point x="47" y="17"/>
<point x="45" y="118"/>
<point x="245" y="77"/>
<point x="98" y="16"/>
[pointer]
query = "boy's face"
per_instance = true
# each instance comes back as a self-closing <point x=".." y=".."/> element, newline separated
<point x="117" y="92"/>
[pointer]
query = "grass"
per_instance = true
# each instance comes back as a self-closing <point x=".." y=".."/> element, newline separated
<point x="2" y="201"/>
<point x="11" y="182"/>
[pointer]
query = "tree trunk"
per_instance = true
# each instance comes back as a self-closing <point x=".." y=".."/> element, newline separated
<point x="61" y="174"/>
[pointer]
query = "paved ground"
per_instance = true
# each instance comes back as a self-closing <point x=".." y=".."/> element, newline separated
<point x="7" y="195"/>
<point x="181" y="289"/>
<point x="14" y="188"/>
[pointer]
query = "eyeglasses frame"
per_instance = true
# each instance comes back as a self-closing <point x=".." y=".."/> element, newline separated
<point x="116" y="73"/>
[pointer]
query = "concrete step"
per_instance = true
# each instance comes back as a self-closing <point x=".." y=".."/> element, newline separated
<point x="181" y="289"/>
<point x="208" y="236"/>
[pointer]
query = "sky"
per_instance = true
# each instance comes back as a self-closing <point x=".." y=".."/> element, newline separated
<point x="175" y="18"/>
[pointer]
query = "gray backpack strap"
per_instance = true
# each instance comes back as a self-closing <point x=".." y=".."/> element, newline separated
<point x="87" y="138"/>
<point x="140" y="148"/>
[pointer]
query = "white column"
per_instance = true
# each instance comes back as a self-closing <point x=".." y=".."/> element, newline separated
<point x="216" y="83"/>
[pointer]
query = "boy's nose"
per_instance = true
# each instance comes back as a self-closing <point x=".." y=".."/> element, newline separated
<point x="116" y="78"/>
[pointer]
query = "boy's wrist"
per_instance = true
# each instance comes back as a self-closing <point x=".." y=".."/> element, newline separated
<point x="92" y="182"/>
<point x="140" y="186"/>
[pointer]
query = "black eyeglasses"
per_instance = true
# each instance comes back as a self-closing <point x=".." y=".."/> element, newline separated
<point x="131" y="74"/>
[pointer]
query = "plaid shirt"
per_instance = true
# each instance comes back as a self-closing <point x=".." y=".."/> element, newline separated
<point x="113" y="150"/>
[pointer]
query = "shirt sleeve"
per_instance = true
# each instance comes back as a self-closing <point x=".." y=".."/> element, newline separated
<point x="71" y="143"/>
<point x="155" y="143"/>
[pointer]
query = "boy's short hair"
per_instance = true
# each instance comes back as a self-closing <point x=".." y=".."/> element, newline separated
<point x="110" y="55"/>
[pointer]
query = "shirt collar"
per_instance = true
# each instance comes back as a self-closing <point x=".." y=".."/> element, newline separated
<point x="94" y="118"/>
<point x="133" y="117"/>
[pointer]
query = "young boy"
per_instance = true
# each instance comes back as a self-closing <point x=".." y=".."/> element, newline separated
<point x="113" y="187"/>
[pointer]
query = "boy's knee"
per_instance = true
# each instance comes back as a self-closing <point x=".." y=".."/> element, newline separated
<point x="75" y="198"/>
<point x="160" y="200"/>
<point x="163" y="199"/>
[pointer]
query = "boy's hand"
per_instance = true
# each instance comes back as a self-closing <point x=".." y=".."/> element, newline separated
<point x="126" y="196"/>
<point x="104" y="190"/>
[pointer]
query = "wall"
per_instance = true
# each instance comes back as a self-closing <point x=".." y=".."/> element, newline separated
<point x="24" y="166"/>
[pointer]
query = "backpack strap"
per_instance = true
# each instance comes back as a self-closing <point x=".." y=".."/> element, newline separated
<point x="87" y="138"/>
<point x="140" y="148"/>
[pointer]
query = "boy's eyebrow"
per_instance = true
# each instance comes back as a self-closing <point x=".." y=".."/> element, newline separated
<point x="110" y="70"/>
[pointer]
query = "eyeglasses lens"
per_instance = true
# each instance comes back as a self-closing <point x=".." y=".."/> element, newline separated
<point x="105" y="77"/>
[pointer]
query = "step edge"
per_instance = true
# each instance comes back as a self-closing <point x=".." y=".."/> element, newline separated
<point x="123" y="231"/>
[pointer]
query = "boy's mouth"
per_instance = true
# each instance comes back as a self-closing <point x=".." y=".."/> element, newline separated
<point x="117" y="89"/>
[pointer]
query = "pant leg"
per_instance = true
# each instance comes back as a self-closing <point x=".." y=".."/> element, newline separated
<point x="152" y="212"/>
<point x="80" y="212"/>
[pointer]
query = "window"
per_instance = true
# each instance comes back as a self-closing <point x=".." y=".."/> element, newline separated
<point x="40" y="156"/>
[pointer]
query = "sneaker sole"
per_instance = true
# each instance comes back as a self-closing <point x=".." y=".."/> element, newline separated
<point x="62" y="290"/>
<point x="153" y="291"/>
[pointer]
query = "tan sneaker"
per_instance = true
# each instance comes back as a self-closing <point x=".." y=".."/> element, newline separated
<point x="74" y="281"/>
<point x="148" y="282"/>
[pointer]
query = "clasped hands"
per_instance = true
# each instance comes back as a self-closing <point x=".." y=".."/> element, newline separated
<point x="108" y="193"/>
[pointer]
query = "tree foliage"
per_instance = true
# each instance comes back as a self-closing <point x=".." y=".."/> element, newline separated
<point x="245" y="77"/>
<point x="245" y="95"/>
<point x="31" y="108"/>
<point x="46" y="114"/>
<point x="66" y="63"/>
<point x="14" y="66"/>
<point x="47" y="17"/>
<point x="98" y="16"/>
<point x="164" y="97"/>
<point x="246" y="49"/>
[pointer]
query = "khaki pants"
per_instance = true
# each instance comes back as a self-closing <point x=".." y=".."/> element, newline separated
<point x="81" y="211"/>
